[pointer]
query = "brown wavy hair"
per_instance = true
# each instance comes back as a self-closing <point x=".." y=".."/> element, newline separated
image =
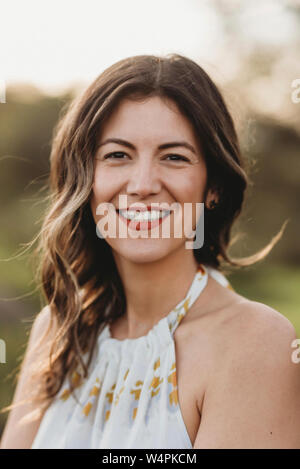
<point x="76" y="270"/>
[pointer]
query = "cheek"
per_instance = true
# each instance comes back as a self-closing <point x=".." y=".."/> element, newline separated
<point x="105" y="185"/>
<point x="190" y="188"/>
<point x="101" y="191"/>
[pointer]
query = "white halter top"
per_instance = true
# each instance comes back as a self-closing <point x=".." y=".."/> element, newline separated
<point x="129" y="399"/>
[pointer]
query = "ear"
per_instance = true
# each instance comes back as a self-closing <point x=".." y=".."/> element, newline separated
<point x="212" y="194"/>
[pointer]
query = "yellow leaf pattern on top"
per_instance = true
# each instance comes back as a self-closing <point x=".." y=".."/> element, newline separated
<point x="122" y="388"/>
<point x="156" y="364"/>
<point x="65" y="394"/>
<point x="95" y="391"/>
<point x="109" y="398"/>
<point x="172" y="379"/>
<point x="155" y="383"/>
<point x="136" y="392"/>
<point x="76" y="381"/>
<point x="87" y="408"/>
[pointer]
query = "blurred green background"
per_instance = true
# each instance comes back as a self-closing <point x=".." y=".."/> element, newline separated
<point x="270" y="138"/>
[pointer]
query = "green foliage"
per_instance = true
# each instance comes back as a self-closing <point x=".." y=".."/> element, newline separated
<point x="275" y="285"/>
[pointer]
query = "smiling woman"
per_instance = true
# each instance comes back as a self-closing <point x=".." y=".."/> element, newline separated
<point x="138" y="323"/>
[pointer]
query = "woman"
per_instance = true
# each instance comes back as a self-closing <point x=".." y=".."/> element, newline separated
<point x="149" y="348"/>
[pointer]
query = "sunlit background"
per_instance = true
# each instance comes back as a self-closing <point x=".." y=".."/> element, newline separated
<point x="51" y="50"/>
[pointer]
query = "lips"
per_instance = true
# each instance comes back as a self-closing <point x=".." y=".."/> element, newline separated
<point x="143" y="224"/>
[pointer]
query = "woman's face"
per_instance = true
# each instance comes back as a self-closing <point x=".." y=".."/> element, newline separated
<point x="145" y="175"/>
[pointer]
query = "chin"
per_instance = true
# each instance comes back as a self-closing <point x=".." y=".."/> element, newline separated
<point x="144" y="250"/>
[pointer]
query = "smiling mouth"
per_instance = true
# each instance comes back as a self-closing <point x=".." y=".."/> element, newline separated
<point x="143" y="220"/>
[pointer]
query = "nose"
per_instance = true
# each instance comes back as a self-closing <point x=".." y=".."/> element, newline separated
<point x="144" y="179"/>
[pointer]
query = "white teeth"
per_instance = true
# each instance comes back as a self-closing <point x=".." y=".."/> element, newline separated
<point x="145" y="215"/>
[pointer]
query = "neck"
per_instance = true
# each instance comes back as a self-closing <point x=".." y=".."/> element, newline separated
<point x="153" y="289"/>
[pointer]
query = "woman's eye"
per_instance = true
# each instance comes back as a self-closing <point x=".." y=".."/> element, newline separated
<point x="182" y="158"/>
<point x="114" y="153"/>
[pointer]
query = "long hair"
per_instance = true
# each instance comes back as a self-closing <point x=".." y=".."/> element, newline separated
<point x="79" y="278"/>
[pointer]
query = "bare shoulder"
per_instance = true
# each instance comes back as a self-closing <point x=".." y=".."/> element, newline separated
<point x="252" y="399"/>
<point x="251" y="333"/>
<point x="256" y="325"/>
<point x="234" y="318"/>
<point x="16" y="434"/>
<point x="42" y="326"/>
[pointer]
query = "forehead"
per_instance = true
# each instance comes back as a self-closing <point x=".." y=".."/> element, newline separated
<point x="152" y="117"/>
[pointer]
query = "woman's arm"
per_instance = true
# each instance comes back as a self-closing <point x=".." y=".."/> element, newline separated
<point x="253" y="400"/>
<point x="15" y="436"/>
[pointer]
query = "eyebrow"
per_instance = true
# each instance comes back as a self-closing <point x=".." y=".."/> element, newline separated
<point x="163" y="146"/>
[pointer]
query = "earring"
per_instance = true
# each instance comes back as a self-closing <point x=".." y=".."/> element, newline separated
<point x="212" y="204"/>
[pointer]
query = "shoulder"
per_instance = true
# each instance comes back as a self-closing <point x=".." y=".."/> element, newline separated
<point x="256" y="329"/>
<point x="42" y="319"/>
<point x="22" y="423"/>
<point x="257" y="346"/>
<point x="257" y="323"/>
<point x="233" y="324"/>
<point x="252" y="398"/>
<point x="42" y="331"/>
